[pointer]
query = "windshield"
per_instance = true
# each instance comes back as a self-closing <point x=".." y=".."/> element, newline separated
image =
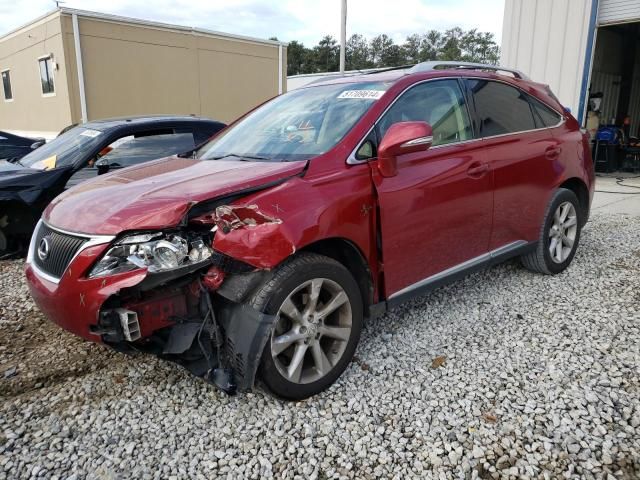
<point x="62" y="151"/>
<point x="297" y="125"/>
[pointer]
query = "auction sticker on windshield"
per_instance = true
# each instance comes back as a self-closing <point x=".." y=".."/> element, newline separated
<point x="362" y="94"/>
<point x="90" y="133"/>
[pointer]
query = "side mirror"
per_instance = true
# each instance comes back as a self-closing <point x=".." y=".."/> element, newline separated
<point x="102" y="166"/>
<point x="402" y="138"/>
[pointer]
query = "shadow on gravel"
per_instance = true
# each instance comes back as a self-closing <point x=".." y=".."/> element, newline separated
<point x="33" y="352"/>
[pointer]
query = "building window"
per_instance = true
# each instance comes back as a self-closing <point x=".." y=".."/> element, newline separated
<point x="6" y="85"/>
<point x="46" y="75"/>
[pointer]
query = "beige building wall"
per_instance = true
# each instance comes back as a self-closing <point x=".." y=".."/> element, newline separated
<point x="30" y="110"/>
<point x="133" y="69"/>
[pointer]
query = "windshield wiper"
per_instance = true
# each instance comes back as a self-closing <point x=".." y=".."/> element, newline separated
<point x="241" y="157"/>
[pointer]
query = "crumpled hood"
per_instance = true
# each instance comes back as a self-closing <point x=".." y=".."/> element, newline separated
<point x="157" y="194"/>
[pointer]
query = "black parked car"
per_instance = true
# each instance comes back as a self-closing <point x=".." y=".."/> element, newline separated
<point x="83" y="152"/>
<point x="14" y="147"/>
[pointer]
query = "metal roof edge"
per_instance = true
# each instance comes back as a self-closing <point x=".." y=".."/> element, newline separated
<point x="168" y="26"/>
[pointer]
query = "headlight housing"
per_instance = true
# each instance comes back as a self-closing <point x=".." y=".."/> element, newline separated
<point x="157" y="252"/>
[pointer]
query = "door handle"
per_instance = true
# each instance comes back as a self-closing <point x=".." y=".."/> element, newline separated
<point x="477" y="170"/>
<point x="552" y="153"/>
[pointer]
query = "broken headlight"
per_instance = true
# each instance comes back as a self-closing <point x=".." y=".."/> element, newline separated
<point x="157" y="252"/>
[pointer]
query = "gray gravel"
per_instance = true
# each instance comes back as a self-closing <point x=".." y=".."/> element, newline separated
<point x="505" y="374"/>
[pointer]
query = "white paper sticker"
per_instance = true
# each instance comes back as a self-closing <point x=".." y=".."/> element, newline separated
<point x="90" y="133"/>
<point x="362" y="94"/>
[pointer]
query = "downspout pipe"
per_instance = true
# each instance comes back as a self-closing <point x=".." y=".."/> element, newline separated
<point x="280" y="89"/>
<point x="80" y="70"/>
<point x="588" y="62"/>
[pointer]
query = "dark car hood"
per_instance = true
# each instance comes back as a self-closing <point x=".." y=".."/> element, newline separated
<point x="157" y="194"/>
<point x="8" y="168"/>
<point x="28" y="185"/>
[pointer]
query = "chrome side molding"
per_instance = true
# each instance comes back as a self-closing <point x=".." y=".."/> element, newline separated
<point x="462" y="267"/>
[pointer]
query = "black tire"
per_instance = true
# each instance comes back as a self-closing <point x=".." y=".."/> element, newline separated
<point x="4" y="237"/>
<point x="269" y="298"/>
<point x="540" y="259"/>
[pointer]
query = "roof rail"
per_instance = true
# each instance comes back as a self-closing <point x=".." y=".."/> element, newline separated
<point x="429" y="66"/>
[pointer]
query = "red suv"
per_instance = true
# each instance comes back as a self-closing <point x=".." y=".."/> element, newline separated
<point x="263" y="254"/>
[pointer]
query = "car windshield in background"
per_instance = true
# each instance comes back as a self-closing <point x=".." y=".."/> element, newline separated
<point x="297" y="125"/>
<point x="64" y="150"/>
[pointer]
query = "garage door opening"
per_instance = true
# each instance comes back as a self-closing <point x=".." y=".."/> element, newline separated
<point x="613" y="111"/>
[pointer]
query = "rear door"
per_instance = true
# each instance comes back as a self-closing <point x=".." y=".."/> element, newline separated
<point x="435" y="214"/>
<point x="521" y="153"/>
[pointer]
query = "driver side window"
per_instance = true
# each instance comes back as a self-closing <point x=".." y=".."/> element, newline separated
<point x="440" y="103"/>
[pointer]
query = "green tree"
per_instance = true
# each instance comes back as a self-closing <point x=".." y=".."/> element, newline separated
<point x="378" y="47"/>
<point x="431" y="46"/>
<point x="357" y="53"/>
<point x="297" y="56"/>
<point x="450" y="49"/>
<point x="326" y="55"/>
<point x="381" y="51"/>
<point x="412" y="48"/>
<point x="393" y="56"/>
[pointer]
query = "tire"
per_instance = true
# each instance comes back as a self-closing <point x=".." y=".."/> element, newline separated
<point x="301" y="332"/>
<point x="556" y="229"/>
<point x="4" y="239"/>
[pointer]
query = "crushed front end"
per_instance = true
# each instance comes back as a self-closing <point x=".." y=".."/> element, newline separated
<point x="170" y="293"/>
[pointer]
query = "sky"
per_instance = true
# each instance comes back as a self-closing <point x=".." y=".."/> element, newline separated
<point x="303" y="20"/>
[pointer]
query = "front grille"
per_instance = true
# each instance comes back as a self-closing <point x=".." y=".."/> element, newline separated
<point x="62" y="247"/>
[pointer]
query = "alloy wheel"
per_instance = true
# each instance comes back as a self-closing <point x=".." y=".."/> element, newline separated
<point x="312" y="331"/>
<point x="563" y="231"/>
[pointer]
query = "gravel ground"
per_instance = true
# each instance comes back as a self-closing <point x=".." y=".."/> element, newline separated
<point x="505" y="374"/>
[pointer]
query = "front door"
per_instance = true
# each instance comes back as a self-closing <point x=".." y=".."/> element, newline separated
<point x="435" y="214"/>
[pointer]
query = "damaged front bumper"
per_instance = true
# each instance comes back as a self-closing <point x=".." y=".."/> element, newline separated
<point x="185" y="317"/>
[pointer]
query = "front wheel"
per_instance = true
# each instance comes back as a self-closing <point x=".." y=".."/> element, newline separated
<point x="319" y="317"/>
<point x="559" y="235"/>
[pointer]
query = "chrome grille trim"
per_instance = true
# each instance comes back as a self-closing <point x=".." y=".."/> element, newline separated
<point x="87" y="242"/>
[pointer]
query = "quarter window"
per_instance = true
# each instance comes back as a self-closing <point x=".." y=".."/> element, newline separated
<point x="439" y="103"/>
<point x="501" y="108"/>
<point x="46" y="75"/>
<point x="6" y="85"/>
<point x="544" y="116"/>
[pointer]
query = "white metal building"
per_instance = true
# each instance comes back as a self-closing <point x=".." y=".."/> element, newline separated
<point x="579" y="47"/>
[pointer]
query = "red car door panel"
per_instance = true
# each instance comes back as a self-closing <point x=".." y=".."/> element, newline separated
<point x="522" y="171"/>
<point x="435" y="214"/>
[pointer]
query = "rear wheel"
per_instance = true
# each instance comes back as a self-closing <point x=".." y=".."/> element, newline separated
<point x="559" y="236"/>
<point x="319" y="316"/>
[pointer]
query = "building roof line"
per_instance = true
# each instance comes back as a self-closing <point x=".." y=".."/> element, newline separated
<point x="169" y="26"/>
<point x="148" y="23"/>
<point x="36" y="20"/>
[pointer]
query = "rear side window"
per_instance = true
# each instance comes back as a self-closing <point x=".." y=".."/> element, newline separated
<point x="544" y="116"/>
<point x="502" y="109"/>
<point x="439" y="103"/>
<point x="145" y="146"/>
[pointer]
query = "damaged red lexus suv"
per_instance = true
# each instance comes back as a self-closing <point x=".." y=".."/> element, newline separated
<point x="261" y="256"/>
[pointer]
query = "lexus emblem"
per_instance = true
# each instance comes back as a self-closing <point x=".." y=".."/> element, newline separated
<point x="43" y="249"/>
